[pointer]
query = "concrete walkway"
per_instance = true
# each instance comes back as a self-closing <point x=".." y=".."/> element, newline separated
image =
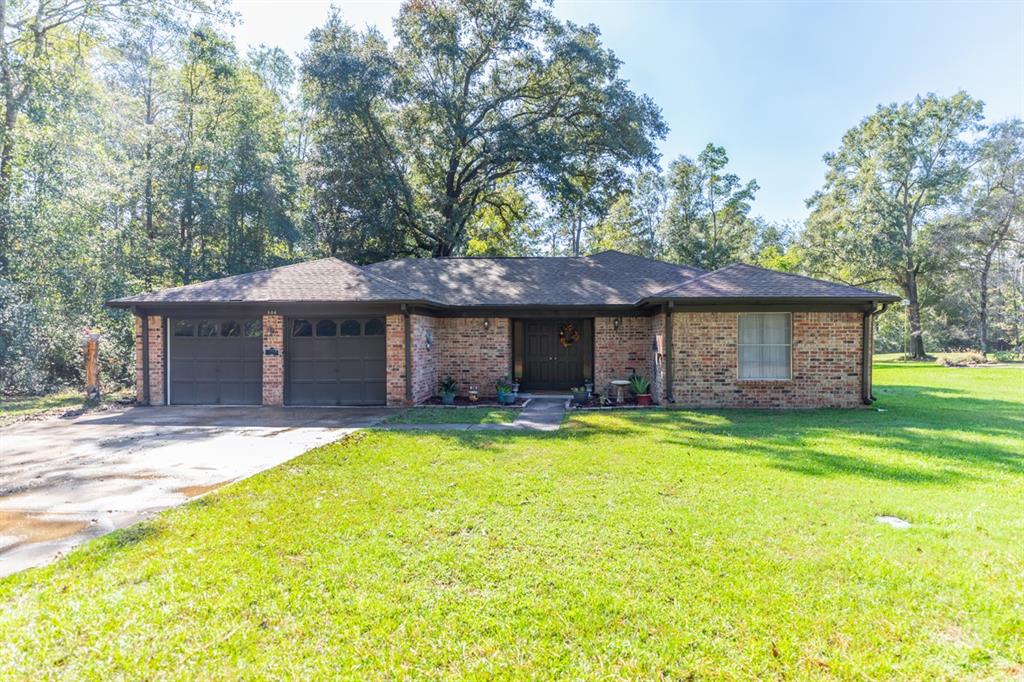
<point x="540" y="414"/>
<point x="65" y="481"/>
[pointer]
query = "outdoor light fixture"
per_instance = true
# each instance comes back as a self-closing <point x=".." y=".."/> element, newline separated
<point x="617" y="322"/>
<point x="487" y="323"/>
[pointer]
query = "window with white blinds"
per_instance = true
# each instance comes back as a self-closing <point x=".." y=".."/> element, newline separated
<point x="764" y="345"/>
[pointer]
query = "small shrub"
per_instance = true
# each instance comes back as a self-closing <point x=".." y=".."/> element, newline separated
<point x="966" y="359"/>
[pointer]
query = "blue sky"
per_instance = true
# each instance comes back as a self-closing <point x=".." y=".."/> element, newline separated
<point x="776" y="83"/>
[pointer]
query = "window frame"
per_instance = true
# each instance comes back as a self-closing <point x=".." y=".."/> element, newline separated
<point x="740" y="345"/>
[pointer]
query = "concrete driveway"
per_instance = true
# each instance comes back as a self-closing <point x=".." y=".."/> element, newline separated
<point x="65" y="481"/>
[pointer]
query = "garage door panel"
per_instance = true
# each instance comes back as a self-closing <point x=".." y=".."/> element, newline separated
<point x="351" y="369"/>
<point x="252" y="372"/>
<point x="183" y="392"/>
<point x="347" y="369"/>
<point x="216" y="368"/>
<point x="375" y="369"/>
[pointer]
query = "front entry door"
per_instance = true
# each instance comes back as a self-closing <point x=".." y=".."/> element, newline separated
<point x="548" y="363"/>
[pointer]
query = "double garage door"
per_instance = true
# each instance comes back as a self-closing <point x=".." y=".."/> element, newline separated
<point x="329" y="361"/>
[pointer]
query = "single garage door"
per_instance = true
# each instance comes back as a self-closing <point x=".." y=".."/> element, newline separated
<point x="336" y="361"/>
<point x="216" y="361"/>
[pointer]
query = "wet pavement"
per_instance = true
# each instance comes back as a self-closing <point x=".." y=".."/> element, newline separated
<point x="65" y="481"/>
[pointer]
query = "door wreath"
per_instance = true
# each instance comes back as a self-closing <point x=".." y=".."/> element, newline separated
<point x="568" y="335"/>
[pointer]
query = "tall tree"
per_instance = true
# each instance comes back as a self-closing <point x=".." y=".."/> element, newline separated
<point x="895" y="173"/>
<point x="706" y="220"/>
<point x="473" y="93"/>
<point x="633" y="223"/>
<point x="996" y="208"/>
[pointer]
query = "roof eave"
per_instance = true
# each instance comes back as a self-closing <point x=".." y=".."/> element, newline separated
<point x="880" y="298"/>
<point x="128" y="303"/>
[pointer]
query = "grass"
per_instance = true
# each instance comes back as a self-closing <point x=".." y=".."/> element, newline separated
<point x="18" y="408"/>
<point x="995" y="356"/>
<point x="456" y="415"/>
<point x="725" y="544"/>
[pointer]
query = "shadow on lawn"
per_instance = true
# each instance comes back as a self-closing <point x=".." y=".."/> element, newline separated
<point x="939" y="435"/>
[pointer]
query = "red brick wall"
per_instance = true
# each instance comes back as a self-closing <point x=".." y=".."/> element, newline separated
<point x="472" y="355"/>
<point x="619" y="351"/>
<point x="826" y="363"/>
<point x="424" y="358"/>
<point x="396" y="360"/>
<point x="157" y="368"/>
<point x="273" y="365"/>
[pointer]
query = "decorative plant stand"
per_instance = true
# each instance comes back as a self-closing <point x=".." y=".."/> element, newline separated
<point x="619" y="384"/>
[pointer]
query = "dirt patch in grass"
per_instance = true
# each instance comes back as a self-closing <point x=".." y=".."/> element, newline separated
<point x="30" y="527"/>
<point x="196" y="490"/>
<point x="67" y="404"/>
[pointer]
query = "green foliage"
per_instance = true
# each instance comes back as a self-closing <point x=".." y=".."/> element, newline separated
<point x="410" y="143"/>
<point x="897" y="172"/>
<point x="632" y="224"/>
<point x="505" y="228"/>
<point x="995" y="233"/>
<point x="706" y="221"/>
<point x="144" y="155"/>
<point x="639" y="385"/>
<point x="448" y="386"/>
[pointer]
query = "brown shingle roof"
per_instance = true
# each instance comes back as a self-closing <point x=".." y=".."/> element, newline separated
<point x="606" y="278"/>
<point x="327" y="279"/>
<point x="740" y="281"/>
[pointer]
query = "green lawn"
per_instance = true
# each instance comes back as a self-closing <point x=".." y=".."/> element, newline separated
<point x="17" y="408"/>
<point x="456" y="415"/>
<point x="638" y="544"/>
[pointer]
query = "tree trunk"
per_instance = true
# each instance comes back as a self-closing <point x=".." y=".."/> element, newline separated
<point x="916" y="349"/>
<point x="6" y="178"/>
<point x="986" y="267"/>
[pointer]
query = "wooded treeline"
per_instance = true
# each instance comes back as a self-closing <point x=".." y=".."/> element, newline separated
<point x="141" y="150"/>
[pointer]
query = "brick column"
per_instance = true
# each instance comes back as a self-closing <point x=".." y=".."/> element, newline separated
<point x="396" y="360"/>
<point x="157" y="367"/>
<point x="273" y="360"/>
<point x="140" y="391"/>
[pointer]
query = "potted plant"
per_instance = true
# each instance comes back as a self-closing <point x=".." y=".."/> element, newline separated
<point x="447" y="391"/>
<point x="580" y="394"/>
<point x="515" y="384"/>
<point x="640" y="387"/>
<point x="504" y="389"/>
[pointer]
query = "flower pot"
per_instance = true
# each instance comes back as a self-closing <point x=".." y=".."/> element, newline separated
<point x="447" y="398"/>
<point x="644" y="399"/>
<point x="515" y="388"/>
<point x="580" y="397"/>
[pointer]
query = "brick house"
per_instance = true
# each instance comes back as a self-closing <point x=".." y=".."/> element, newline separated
<point x="327" y="332"/>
